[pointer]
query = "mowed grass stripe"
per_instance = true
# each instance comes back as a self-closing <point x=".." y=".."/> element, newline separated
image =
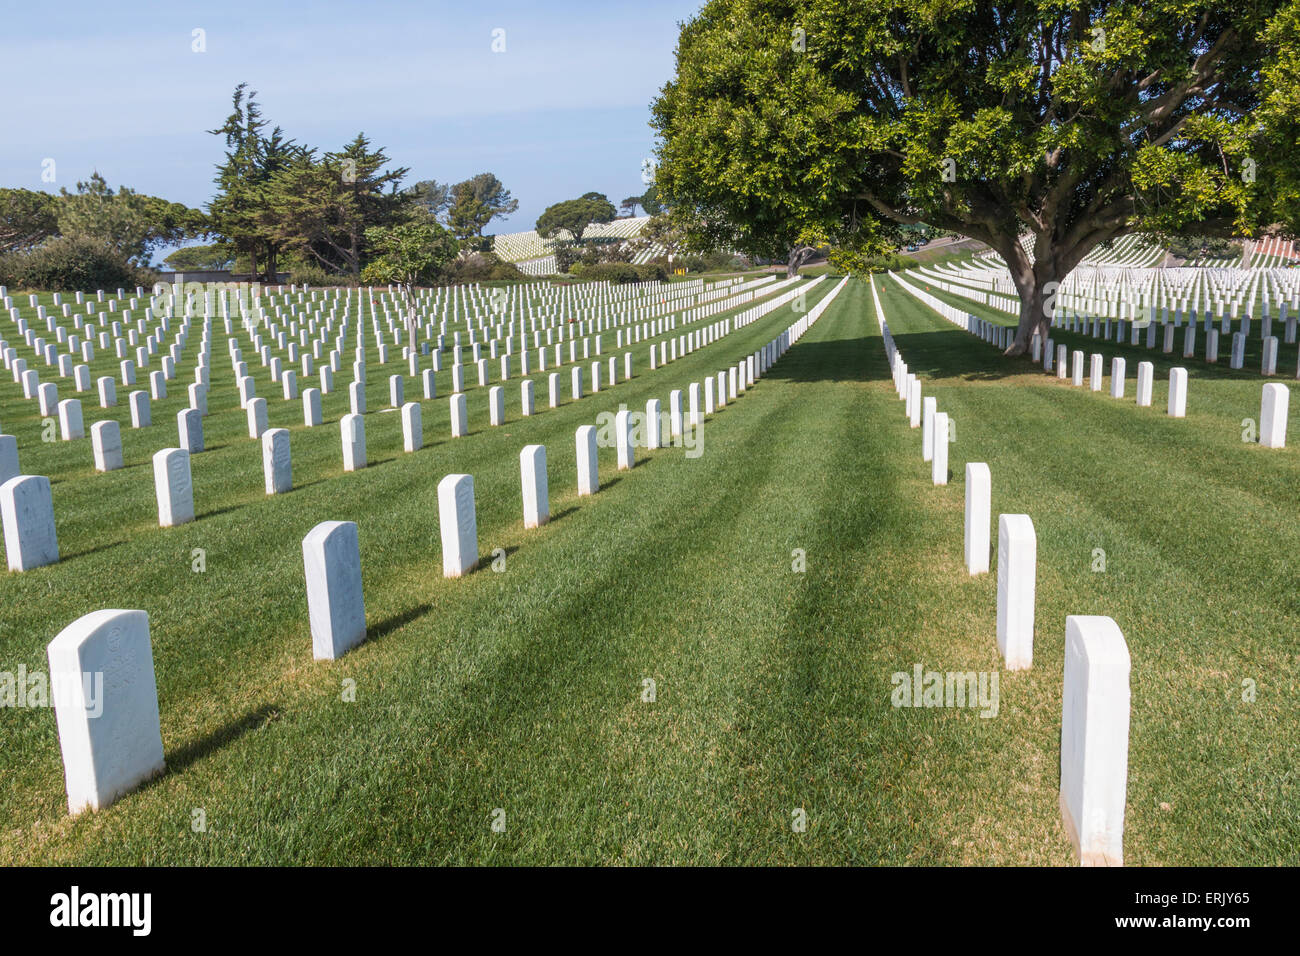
<point x="257" y="611"/>
<point x="1198" y="529"/>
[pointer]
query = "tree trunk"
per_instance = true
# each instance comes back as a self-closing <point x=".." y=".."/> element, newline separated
<point x="409" y="294"/>
<point x="1037" y="284"/>
<point x="798" y="256"/>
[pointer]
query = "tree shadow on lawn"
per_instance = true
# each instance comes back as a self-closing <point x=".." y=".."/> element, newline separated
<point x="830" y="360"/>
<point x="958" y="354"/>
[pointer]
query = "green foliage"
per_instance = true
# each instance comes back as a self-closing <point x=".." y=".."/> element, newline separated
<point x="651" y="202"/>
<point x="1074" y="123"/>
<point x="320" y="208"/>
<point x="431" y="197"/>
<point x="70" y="264"/>
<point x="132" y="223"/>
<point x="27" y="218"/>
<point x="480" y="267"/>
<point x="306" y="273"/>
<point x="648" y="201"/>
<point x="409" y="253"/>
<point x="201" y="258"/>
<point x="476" y="202"/>
<point x="253" y="159"/>
<point x="574" y="215"/>
<point x="275" y="197"/>
<point x="1194" y="247"/>
<point x="619" y="272"/>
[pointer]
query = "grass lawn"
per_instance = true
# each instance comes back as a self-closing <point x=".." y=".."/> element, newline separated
<point x="521" y="691"/>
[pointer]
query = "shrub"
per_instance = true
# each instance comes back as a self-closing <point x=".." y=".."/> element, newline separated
<point x="480" y="267"/>
<point x="313" y="275"/>
<point x="1214" y="247"/>
<point x="891" y="262"/>
<point x="72" y="264"/>
<point x="620" y="272"/>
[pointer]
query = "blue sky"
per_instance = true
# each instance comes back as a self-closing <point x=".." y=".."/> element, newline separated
<point x="562" y="111"/>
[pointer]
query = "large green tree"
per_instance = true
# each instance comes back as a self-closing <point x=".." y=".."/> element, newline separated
<point x="475" y="203"/>
<point x="132" y="223"/>
<point x="320" y="207"/>
<point x="431" y="196"/>
<point x="409" y="254"/>
<point x="27" y="218"/>
<point x="201" y="258"/>
<point x="243" y="180"/>
<point x="1064" y="123"/>
<point x="574" y="215"/>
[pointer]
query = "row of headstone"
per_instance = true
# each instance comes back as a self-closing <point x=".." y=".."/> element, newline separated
<point x="1095" y="707"/>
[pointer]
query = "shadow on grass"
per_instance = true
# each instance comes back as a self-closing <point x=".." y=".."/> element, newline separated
<point x="385" y="627"/>
<point x="180" y="759"/>
<point x="831" y="360"/>
<point x="985" y="362"/>
<point x="217" y="512"/>
<point x="95" y="550"/>
<point x="1196" y="365"/>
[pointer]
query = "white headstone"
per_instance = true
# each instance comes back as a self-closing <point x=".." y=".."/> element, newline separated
<point x="277" y="462"/>
<point x="1268" y="364"/>
<point x="189" y="430"/>
<point x="496" y="405"/>
<point x="311" y="410"/>
<point x="9" y="457"/>
<point x="412" y="427"/>
<point x="331" y="556"/>
<point x="71" y="426"/>
<point x="1017" y="572"/>
<point x="27" y="511"/>
<point x="48" y="396"/>
<point x="458" y="525"/>
<point x="929" y="405"/>
<point x="623" y="438"/>
<point x="1094" y="739"/>
<point x="353" y="430"/>
<point x="107" y="707"/>
<point x="106" y="442"/>
<point x="357" y="398"/>
<point x="1117" y="378"/>
<point x="653" y="431"/>
<point x="1146" y="372"/>
<point x="526" y="400"/>
<point x="173" y="487"/>
<point x="1275" y="407"/>
<point x="459" y="415"/>
<point x="1177" y="392"/>
<point x="256" y="411"/>
<point x="939" y="462"/>
<point x="979" y="492"/>
<point x="588" y="475"/>
<point x="532" y="476"/>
